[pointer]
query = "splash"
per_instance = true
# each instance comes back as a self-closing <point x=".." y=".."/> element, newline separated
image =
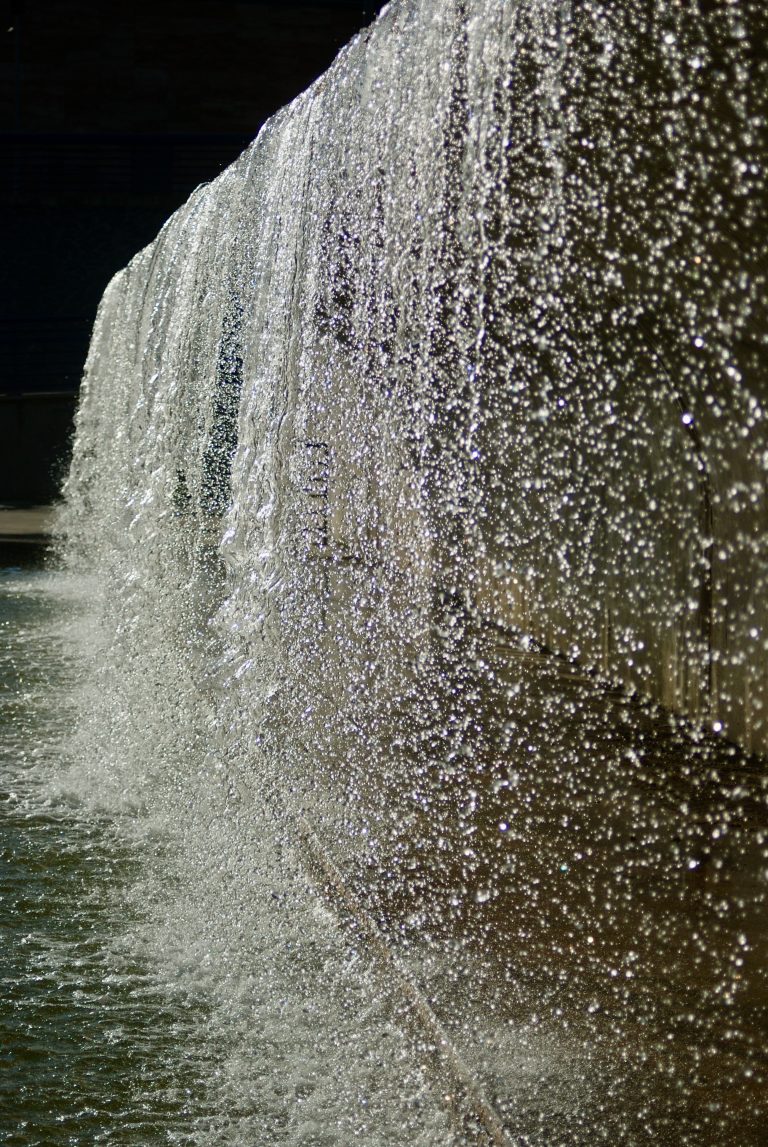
<point x="421" y="460"/>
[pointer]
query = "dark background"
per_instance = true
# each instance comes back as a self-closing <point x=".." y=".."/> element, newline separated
<point x="110" y="115"/>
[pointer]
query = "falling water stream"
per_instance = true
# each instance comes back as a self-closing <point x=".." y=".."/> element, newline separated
<point x="399" y="703"/>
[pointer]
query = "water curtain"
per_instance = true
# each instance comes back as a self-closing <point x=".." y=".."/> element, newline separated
<point x="448" y="390"/>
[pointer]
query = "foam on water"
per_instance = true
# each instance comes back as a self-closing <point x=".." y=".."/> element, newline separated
<point x="216" y="998"/>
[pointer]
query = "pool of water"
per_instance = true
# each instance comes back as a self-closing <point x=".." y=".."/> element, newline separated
<point x="89" y="1044"/>
<point x="148" y="994"/>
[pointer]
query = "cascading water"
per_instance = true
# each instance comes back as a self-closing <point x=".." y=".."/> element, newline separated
<point x="420" y="469"/>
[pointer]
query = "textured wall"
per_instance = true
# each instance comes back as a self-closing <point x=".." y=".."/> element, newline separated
<point x="495" y="286"/>
<point x="462" y="362"/>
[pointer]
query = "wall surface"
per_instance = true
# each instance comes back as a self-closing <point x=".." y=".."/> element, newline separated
<point x="501" y="339"/>
<point x="447" y="398"/>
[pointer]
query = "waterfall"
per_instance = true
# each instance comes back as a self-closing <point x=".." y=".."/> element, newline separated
<point x="420" y="465"/>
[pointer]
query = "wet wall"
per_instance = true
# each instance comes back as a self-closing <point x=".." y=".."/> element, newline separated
<point x="497" y="287"/>
<point x="445" y="400"/>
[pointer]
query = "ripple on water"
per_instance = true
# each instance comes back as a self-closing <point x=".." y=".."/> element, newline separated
<point x="148" y="995"/>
